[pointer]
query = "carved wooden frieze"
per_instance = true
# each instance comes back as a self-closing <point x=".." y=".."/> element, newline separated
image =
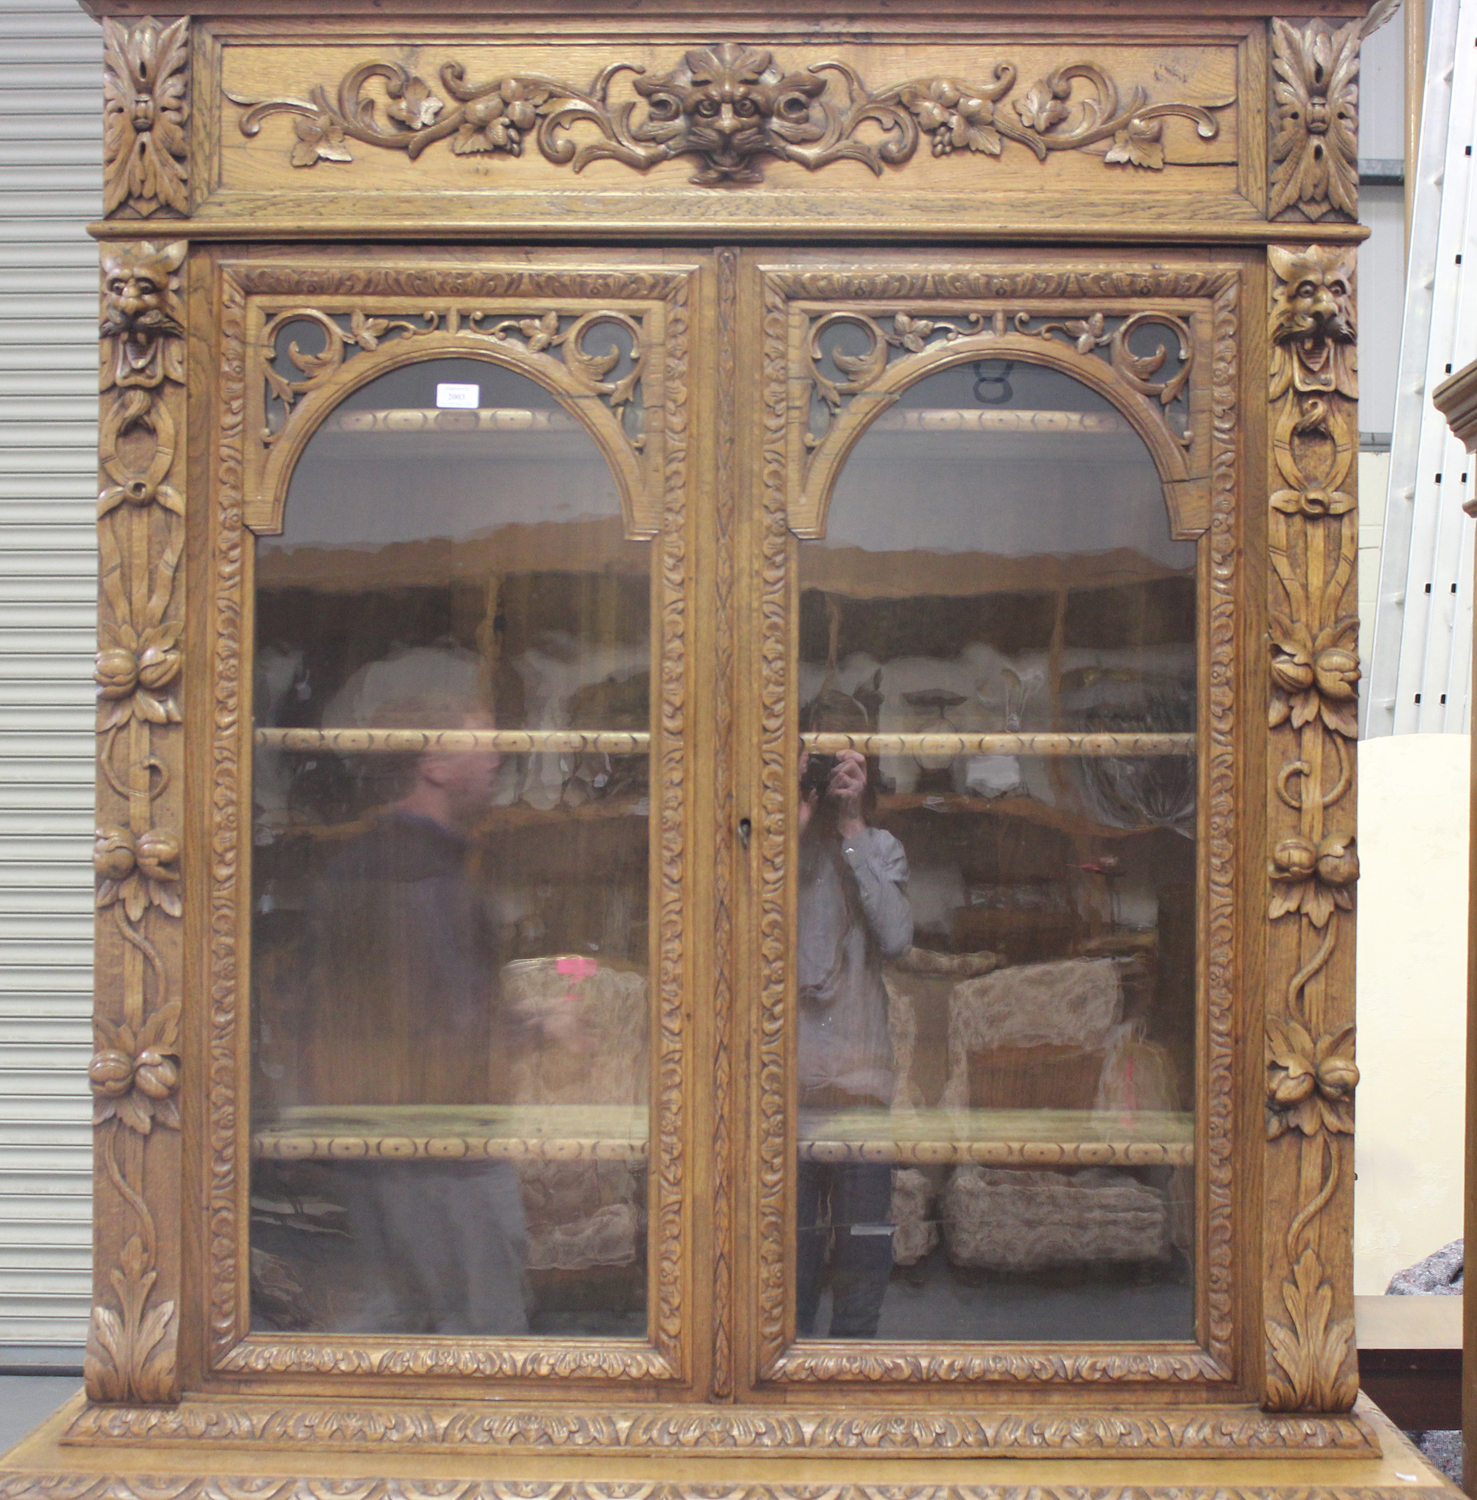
<point x="135" y="1071"/>
<point x="730" y="107"/>
<point x="90" y="1485"/>
<point x="1313" y="542"/>
<point x="146" y="107"/>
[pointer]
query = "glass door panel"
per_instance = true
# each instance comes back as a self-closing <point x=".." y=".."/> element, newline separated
<point x="996" y="915"/>
<point x="450" y="914"/>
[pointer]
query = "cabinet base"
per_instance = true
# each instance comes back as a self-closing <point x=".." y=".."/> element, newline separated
<point x="297" y="1463"/>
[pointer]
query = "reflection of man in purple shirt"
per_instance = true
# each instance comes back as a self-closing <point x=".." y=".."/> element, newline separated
<point x="852" y="913"/>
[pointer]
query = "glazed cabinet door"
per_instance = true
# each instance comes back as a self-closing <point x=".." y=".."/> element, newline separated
<point x="723" y="789"/>
<point x="992" y="601"/>
<point x="451" y="787"/>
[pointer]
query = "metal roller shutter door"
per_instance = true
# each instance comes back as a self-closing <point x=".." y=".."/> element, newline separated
<point x="50" y="175"/>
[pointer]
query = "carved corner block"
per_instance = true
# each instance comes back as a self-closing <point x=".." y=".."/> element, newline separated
<point x="146" y="109"/>
<point x="135" y="1070"/>
<point x="1314" y="120"/>
<point x="1313" y="541"/>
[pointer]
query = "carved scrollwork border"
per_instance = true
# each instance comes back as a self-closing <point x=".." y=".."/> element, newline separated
<point x="136" y="1066"/>
<point x="791" y="300"/>
<point x="725" y="481"/>
<point x="1313" y="548"/>
<point x="248" y="293"/>
<point x="725" y="1430"/>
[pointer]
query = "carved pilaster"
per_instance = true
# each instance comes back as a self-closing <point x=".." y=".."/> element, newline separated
<point x="135" y="1072"/>
<point x="1313" y="540"/>
<point x="146" y="104"/>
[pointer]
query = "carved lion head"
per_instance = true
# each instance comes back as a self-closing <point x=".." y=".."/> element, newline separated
<point x="1313" y="316"/>
<point x="140" y="283"/>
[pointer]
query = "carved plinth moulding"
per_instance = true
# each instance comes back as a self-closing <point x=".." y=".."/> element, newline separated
<point x="451" y="1425"/>
<point x="914" y="323"/>
<point x="634" y="400"/>
<point x="731" y="106"/>
<point x="146" y="109"/>
<point x="253" y="1486"/>
<point x="135" y="1069"/>
<point x="1313" y="541"/>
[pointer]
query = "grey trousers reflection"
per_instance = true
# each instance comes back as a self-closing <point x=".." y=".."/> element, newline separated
<point x="846" y="1206"/>
<point x="442" y="1247"/>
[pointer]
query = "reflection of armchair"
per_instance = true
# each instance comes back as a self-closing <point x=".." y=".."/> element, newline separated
<point x="582" y="1213"/>
<point x="1048" y="1036"/>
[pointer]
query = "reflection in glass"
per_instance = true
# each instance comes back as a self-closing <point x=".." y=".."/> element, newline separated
<point x="449" y="923"/>
<point x="995" y="938"/>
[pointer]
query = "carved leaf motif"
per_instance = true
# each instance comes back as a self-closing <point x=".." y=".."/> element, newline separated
<point x="132" y="1340"/>
<point x="1315" y="1353"/>
<point x="1315" y="166"/>
<point x="319" y="138"/>
<point x="1138" y="144"/>
<point x="414" y="105"/>
<point x="1041" y="107"/>
<point x="145" y="107"/>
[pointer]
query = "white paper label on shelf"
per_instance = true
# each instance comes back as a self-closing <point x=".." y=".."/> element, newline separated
<point x="459" y="397"/>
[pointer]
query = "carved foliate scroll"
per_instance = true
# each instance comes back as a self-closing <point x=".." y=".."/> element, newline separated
<point x="146" y="75"/>
<point x="731" y="107"/>
<point x="1313" y="540"/>
<point x="135" y="1071"/>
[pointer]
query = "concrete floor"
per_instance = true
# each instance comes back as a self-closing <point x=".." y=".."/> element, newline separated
<point x="25" y="1400"/>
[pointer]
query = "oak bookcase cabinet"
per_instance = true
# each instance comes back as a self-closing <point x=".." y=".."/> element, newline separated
<point x="726" y="713"/>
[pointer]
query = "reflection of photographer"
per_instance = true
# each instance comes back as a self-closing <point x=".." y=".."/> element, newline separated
<point x="852" y="913"/>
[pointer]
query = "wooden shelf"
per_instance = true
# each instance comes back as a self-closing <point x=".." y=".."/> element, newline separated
<point x="572" y="1133"/>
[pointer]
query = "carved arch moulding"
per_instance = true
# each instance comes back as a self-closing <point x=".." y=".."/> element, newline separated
<point x="1142" y="340"/>
<point x="1163" y="345"/>
<point x="612" y="345"/>
<point x="312" y="336"/>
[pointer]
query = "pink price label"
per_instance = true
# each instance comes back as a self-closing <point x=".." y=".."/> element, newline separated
<point x="576" y="968"/>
